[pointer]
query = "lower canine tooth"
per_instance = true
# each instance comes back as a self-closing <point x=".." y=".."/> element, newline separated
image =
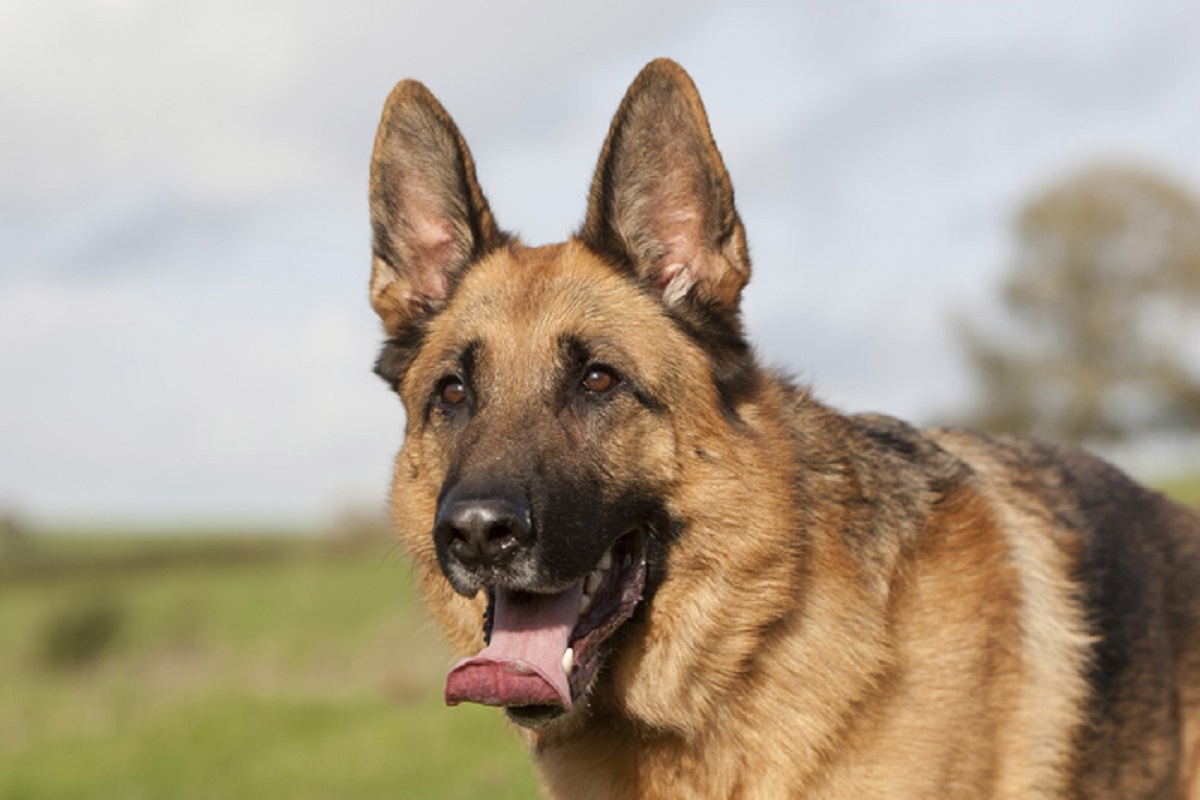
<point x="585" y="602"/>
<point x="568" y="661"/>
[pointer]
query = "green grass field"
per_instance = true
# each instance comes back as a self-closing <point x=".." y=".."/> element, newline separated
<point x="232" y="668"/>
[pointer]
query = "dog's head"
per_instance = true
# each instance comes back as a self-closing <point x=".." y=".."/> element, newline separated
<point x="555" y="396"/>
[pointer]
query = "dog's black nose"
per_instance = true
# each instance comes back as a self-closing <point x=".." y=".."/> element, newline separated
<point x="482" y="532"/>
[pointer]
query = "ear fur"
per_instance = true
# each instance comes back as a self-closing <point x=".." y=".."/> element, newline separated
<point x="661" y="200"/>
<point x="429" y="218"/>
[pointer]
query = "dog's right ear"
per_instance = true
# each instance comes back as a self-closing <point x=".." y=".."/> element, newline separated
<point x="429" y="218"/>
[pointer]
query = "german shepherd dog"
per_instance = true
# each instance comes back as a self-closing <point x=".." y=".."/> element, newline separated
<point x="682" y="576"/>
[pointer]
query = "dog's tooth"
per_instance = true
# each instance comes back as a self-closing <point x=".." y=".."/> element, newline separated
<point x="568" y="661"/>
<point x="585" y="602"/>
<point x="605" y="561"/>
<point x="593" y="581"/>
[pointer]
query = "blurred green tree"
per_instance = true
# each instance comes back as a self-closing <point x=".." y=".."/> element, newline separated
<point x="1104" y="296"/>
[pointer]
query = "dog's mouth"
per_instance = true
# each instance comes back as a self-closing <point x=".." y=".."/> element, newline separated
<point x="543" y="650"/>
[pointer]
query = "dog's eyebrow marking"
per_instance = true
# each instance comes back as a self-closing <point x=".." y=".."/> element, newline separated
<point x="461" y="358"/>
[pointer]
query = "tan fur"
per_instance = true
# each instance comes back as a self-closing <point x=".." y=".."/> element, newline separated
<point x="1052" y="629"/>
<point x="851" y="608"/>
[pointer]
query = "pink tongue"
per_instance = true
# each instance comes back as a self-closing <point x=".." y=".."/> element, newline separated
<point x="522" y="666"/>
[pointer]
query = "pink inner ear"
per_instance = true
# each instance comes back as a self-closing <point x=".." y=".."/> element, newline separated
<point x="679" y="233"/>
<point x="431" y="253"/>
<point x="435" y="252"/>
<point x="674" y="281"/>
<point x="667" y="273"/>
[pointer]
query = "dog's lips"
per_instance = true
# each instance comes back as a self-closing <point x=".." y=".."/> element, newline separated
<point x="543" y="649"/>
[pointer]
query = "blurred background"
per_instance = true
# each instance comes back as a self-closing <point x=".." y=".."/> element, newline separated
<point x="958" y="213"/>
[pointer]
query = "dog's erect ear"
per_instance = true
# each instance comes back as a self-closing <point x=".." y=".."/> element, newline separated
<point x="661" y="200"/>
<point x="428" y="216"/>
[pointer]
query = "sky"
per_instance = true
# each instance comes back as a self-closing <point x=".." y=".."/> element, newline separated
<point x="184" y="244"/>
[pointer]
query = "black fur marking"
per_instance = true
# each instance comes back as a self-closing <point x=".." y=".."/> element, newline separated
<point x="662" y="531"/>
<point x="719" y="334"/>
<point x="944" y="472"/>
<point x="398" y="352"/>
<point x="1122" y="561"/>
<point x="575" y="355"/>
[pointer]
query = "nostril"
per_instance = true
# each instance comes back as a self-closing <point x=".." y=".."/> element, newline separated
<point x="456" y="540"/>
<point x="500" y="531"/>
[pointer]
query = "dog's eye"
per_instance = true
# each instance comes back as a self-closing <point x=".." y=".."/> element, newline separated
<point x="451" y="390"/>
<point x="599" y="379"/>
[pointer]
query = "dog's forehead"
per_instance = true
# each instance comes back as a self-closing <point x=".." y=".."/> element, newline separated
<point x="531" y="298"/>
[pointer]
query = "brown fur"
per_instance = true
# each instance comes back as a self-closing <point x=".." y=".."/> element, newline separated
<point x="845" y="607"/>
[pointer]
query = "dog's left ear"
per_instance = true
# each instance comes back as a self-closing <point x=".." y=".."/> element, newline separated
<point x="661" y="200"/>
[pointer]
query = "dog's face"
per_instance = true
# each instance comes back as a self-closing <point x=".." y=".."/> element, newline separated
<point x="554" y="395"/>
<point x="531" y="404"/>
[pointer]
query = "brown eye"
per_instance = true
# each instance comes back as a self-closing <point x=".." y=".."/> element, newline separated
<point x="599" y="379"/>
<point x="452" y="391"/>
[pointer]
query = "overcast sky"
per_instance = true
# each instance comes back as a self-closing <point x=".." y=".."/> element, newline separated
<point x="184" y="247"/>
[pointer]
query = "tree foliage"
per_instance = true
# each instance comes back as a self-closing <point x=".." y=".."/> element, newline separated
<point x="1103" y="295"/>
